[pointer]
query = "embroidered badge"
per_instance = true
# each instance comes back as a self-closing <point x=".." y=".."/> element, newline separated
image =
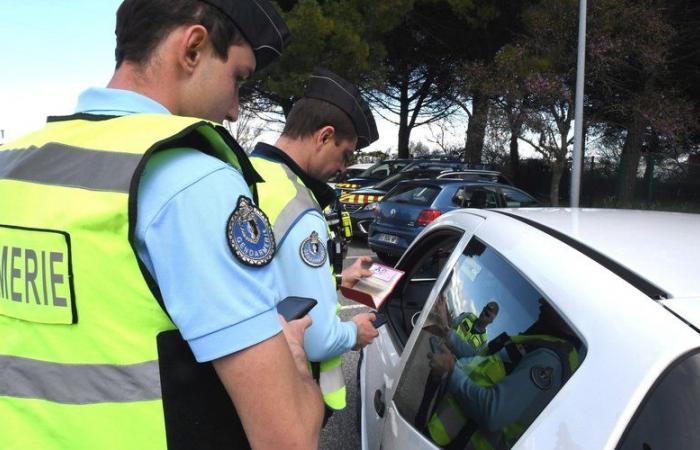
<point x="249" y="234"/>
<point x="313" y="251"/>
<point x="542" y="377"/>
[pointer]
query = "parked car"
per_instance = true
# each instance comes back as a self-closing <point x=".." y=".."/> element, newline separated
<point x="403" y="213"/>
<point x="350" y="172"/>
<point x="477" y="175"/>
<point x="361" y="203"/>
<point x="616" y="291"/>
<point x="372" y="175"/>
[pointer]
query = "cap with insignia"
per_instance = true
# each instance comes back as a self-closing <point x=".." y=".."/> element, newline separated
<point x="326" y="85"/>
<point x="260" y="24"/>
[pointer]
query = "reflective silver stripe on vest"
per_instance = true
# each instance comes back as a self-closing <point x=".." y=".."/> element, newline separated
<point x="79" y="384"/>
<point x="451" y="420"/>
<point x="331" y="380"/>
<point x="63" y="165"/>
<point x="302" y="201"/>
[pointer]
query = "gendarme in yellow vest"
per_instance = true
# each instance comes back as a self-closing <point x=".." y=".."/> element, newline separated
<point x="486" y="370"/>
<point x="88" y="357"/>
<point x="283" y="198"/>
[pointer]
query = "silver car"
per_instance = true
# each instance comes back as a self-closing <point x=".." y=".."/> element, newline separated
<point x="540" y="329"/>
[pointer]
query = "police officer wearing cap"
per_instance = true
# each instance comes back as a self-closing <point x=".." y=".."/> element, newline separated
<point x="321" y="133"/>
<point x="140" y="310"/>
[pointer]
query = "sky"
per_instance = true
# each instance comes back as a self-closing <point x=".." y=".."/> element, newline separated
<point x="51" y="50"/>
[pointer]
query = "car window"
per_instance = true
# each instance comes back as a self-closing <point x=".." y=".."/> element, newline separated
<point x="667" y="418"/>
<point x="516" y="199"/>
<point x="381" y="171"/>
<point x="397" y="166"/>
<point x="422" y="266"/>
<point x="413" y="195"/>
<point x="489" y="358"/>
<point x="475" y="197"/>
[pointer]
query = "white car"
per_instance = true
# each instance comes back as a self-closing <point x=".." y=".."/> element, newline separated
<point x="620" y="289"/>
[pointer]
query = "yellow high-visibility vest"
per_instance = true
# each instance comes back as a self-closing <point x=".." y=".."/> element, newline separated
<point x="283" y="198"/>
<point x="89" y="358"/>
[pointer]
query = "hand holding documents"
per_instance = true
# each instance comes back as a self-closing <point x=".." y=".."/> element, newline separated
<point x="374" y="290"/>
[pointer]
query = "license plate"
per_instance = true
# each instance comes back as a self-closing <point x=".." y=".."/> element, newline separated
<point x="390" y="238"/>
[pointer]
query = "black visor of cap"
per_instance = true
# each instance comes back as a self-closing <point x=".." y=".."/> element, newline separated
<point x="260" y="24"/>
<point x="326" y="85"/>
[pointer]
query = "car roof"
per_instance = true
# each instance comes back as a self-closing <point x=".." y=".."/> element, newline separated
<point x="660" y="247"/>
<point x="361" y="166"/>
<point x="451" y="181"/>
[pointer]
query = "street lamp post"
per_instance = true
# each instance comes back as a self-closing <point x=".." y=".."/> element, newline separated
<point x="578" y="129"/>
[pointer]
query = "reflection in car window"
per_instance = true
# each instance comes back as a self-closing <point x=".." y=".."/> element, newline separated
<point x="668" y="417"/>
<point x="516" y="199"/>
<point x="491" y="355"/>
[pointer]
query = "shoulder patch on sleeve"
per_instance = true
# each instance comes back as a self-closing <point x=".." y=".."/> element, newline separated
<point x="542" y="377"/>
<point x="313" y="252"/>
<point x="249" y="234"/>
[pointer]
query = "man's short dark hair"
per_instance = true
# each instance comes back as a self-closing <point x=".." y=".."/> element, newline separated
<point x="143" y="24"/>
<point x="309" y="115"/>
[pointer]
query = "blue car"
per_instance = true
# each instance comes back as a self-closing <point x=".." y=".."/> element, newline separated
<point x="405" y="210"/>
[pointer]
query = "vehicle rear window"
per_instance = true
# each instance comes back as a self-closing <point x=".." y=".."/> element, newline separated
<point x="668" y="417"/>
<point x="413" y="195"/>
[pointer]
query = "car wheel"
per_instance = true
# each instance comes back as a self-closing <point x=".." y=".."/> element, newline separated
<point x="387" y="258"/>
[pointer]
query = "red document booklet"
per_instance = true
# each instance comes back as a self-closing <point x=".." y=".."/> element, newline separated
<point x="373" y="290"/>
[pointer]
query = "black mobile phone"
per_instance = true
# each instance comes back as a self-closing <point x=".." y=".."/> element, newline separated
<point x="435" y="344"/>
<point x="293" y="308"/>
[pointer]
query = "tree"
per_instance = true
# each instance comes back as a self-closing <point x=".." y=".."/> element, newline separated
<point x="416" y="72"/>
<point x="340" y="35"/>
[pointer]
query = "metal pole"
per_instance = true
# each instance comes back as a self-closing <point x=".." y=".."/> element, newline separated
<point x="578" y="129"/>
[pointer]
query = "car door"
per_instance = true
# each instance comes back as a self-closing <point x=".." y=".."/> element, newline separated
<point x="424" y="265"/>
<point x="457" y="408"/>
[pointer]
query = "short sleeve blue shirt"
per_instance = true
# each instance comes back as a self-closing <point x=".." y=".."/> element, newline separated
<point x="185" y="199"/>
<point x="328" y="336"/>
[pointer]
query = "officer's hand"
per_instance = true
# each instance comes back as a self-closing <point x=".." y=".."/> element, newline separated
<point x="441" y="363"/>
<point x="365" y="330"/>
<point x="294" y="332"/>
<point x="352" y="274"/>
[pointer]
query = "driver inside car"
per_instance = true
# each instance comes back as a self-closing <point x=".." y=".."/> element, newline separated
<point x="493" y="394"/>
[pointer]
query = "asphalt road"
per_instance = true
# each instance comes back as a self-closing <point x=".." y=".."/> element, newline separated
<point x="342" y="432"/>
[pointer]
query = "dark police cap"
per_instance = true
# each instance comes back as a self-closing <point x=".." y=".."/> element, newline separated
<point x="260" y="24"/>
<point x="325" y="85"/>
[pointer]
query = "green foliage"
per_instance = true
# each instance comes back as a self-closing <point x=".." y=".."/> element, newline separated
<point x="340" y="35"/>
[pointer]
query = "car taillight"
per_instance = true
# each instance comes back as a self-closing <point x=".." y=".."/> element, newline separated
<point x="427" y="215"/>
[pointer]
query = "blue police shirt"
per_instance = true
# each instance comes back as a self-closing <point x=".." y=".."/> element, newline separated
<point x="185" y="199"/>
<point x="515" y="398"/>
<point x="327" y="336"/>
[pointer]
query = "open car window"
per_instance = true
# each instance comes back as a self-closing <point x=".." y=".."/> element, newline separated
<point x="423" y="265"/>
<point x="492" y="353"/>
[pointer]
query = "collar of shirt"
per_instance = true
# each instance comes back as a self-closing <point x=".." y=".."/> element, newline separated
<point x="121" y="102"/>
<point x="116" y="102"/>
<point x="324" y="194"/>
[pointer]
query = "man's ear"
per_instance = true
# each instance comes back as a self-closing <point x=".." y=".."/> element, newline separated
<point x="195" y="39"/>
<point x="325" y="134"/>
